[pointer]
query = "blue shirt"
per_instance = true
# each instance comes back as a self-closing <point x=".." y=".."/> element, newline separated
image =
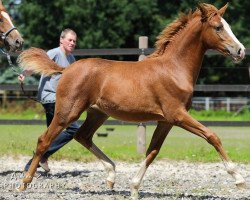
<point x="48" y="84"/>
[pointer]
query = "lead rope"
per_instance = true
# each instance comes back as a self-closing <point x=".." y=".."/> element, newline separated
<point x="18" y="74"/>
<point x="10" y="62"/>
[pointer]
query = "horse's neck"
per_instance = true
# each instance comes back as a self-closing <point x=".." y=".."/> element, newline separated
<point x="188" y="51"/>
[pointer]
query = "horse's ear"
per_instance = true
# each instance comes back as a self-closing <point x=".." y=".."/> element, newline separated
<point x="202" y="8"/>
<point x="223" y="9"/>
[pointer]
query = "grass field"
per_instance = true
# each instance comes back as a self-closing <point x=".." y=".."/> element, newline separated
<point x="121" y="144"/>
<point x="18" y="112"/>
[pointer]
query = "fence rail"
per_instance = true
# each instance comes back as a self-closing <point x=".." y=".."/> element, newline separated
<point x="229" y="104"/>
<point x="222" y="88"/>
<point x="117" y="122"/>
<point x="124" y="51"/>
<point x="198" y="88"/>
<point x="120" y="51"/>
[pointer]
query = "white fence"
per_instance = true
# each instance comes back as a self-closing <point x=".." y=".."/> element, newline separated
<point x="230" y="104"/>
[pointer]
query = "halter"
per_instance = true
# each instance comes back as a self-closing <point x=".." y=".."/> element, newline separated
<point x="5" y="35"/>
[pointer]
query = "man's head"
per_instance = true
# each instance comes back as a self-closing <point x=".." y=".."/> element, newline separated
<point x="68" y="40"/>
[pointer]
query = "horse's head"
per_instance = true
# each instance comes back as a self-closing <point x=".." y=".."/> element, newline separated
<point x="216" y="33"/>
<point x="10" y="38"/>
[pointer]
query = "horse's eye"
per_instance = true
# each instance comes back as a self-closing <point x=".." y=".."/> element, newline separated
<point x="218" y="28"/>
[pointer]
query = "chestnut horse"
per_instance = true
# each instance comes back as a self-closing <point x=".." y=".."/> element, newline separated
<point x="158" y="88"/>
<point x="10" y="38"/>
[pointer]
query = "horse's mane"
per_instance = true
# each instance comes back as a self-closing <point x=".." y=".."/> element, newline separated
<point x="169" y="33"/>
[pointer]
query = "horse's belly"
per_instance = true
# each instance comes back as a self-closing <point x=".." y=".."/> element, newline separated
<point x="132" y="114"/>
<point x="137" y="117"/>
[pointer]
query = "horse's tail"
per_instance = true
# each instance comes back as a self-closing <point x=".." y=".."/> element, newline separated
<point x="37" y="61"/>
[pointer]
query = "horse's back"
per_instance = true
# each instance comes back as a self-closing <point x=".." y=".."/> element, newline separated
<point x="102" y="70"/>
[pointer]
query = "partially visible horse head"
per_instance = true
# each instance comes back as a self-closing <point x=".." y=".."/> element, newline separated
<point x="217" y="34"/>
<point x="10" y="38"/>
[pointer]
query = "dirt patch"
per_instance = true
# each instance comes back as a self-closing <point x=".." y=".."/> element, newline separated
<point x="163" y="180"/>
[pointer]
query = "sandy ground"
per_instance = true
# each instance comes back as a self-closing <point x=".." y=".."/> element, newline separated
<point x="163" y="180"/>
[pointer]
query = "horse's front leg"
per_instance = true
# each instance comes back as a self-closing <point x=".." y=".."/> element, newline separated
<point x="158" y="138"/>
<point x="185" y="121"/>
<point x="43" y="144"/>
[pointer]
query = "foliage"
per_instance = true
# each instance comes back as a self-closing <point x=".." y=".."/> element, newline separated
<point x="112" y="24"/>
<point x="10" y="77"/>
<point x="99" y="24"/>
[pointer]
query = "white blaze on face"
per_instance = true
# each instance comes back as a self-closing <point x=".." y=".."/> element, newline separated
<point x="7" y="17"/>
<point x="230" y="33"/>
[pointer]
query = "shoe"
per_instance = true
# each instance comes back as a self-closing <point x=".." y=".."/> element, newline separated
<point x="44" y="164"/>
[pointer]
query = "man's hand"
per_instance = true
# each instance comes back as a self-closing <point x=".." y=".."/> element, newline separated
<point x="25" y="73"/>
<point x="21" y="78"/>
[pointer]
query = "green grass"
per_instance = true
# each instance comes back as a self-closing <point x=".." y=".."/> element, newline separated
<point x="36" y="112"/>
<point x="121" y="144"/>
<point x="27" y="114"/>
<point x="221" y="115"/>
<point x="32" y="113"/>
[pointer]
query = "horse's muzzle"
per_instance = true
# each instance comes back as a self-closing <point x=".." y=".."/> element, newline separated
<point x="14" y="45"/>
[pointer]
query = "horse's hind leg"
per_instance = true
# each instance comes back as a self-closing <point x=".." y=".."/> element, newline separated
<point x="157" y="140"/>
<point x="187" y="122"/>
<point x="84" y="135"/>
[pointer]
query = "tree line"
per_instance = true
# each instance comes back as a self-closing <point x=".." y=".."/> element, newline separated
<point x="118" y="24"/>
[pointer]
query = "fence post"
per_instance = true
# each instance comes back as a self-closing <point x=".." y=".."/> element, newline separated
<point x="141" y="138"/>
<point x="141" y="129"/>
<point x="4" y="99"/>
<point x="228" y="104"/>
<point x="249" y="71"/>
<point x="207" y="103"/>
<point x="143" y="44"/>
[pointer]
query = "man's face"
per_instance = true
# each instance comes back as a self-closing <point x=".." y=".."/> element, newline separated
<point x="68" y="43"/>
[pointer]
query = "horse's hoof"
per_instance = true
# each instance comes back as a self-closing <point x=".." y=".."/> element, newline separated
<point x="110" y="184"/>
<point x="134" y="194"/>
<point x="241" y="185"/>
<point x="22" y="187"/>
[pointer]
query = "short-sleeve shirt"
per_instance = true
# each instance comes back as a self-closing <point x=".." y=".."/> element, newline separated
<point x="48" y="84"/>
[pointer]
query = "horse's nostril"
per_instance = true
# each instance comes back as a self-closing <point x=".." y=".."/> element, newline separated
<point x="19" y="43"/>
<point x="239" y="51"/>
